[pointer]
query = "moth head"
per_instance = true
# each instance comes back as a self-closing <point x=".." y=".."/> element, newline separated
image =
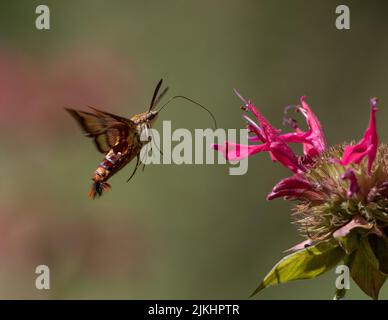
<point x="151" y="115"/>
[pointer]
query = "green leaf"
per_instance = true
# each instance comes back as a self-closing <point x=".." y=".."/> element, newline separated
<point x="368" y="253"/>
<point x="304" y="264"/>
<point x="350" y="242"/>
<point x="348" y="235"/>
<point x="379" y="246"/>
<point x="364" y="269"/>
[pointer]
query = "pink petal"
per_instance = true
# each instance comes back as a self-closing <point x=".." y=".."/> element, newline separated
<point x="353" y="183"/>
<point x="302" y="138"/>
<point x="292" y="187"/>
<point x="313" y="140"/>
<point x="254" y="138"/>
<point x="254" y="128"/>
<point x="265" y="132"/>
<point x="236" y="152"/>
<point x="356" y="222"/>
<point x="238" y="94"/>
<point x="367" y="145"/>
<point x="315" y="133"/>
<point x="355" y="154"/>
<point x="267" y="128"/>
<point x="281" y="152"/>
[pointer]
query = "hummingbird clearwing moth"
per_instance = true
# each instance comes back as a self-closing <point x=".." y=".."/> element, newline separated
<point x="118" y="138"/>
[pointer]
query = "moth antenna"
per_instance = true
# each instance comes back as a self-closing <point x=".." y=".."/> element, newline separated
<point x="157" y="88"/>
<point x="161" y="95"/>
<point x="192" y="101"/>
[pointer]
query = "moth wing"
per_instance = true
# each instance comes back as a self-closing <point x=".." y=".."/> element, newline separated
<point x="101" y="143"/>
<point x="110" y="117"/>
<point x="105" y="129"/>
<point x="117" y="126"/>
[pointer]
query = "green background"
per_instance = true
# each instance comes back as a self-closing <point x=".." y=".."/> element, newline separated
<point x="174" y="232"/>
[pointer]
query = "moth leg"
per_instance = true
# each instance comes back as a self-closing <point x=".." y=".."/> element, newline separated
<point x="149" y="144"/>
<point x="150" y="138"/>
<point x="157" y="147"/>
<point x="136" y="166"/>
<point x="146" y="154"/>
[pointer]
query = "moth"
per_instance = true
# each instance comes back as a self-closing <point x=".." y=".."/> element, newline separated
<point x="119" y="139"/>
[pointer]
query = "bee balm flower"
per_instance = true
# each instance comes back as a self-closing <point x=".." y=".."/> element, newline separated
<point x="340" y="195"/>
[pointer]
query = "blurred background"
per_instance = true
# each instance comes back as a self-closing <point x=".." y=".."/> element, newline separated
<point x="173" y="232"/>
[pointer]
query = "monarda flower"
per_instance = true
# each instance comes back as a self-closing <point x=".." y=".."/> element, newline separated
<point x="340" y="195"/>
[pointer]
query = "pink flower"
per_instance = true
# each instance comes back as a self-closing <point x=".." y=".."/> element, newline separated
<point x="367" y="147"/>
<point x="298" y="187"/>
<point x="290" y="187"/>
<point x="267" y="138"/>
<point x="294" y="187"/>
<point x="270" y="138"/>
<point x="236" y="152"/>
<point x="313" y="140"/>
<point x="339" y="208"/>
<point x="353" y="183"/>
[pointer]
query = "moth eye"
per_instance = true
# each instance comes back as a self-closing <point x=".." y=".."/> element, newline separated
<point x="150" y="115"/>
